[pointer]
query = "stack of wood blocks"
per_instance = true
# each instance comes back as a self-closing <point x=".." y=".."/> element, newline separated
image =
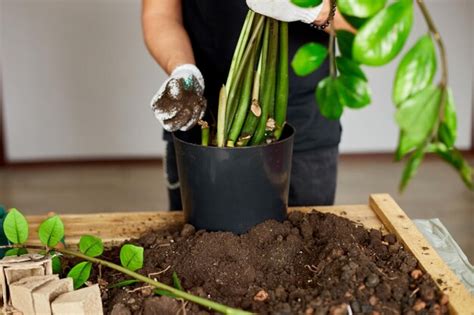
<point x="30" y="287"/>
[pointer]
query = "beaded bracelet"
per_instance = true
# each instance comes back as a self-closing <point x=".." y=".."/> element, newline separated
<point x="331" y="15"/>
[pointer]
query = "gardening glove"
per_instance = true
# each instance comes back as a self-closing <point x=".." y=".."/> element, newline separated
<point x="284" y="10"/>
<point x="179" y="103"/>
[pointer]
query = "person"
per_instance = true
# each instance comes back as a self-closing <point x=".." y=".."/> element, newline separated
<point x="194" y="40"/>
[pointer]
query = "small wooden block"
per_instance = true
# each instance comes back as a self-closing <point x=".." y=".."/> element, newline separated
<point x="86" y="301"/>
<point x="21" y="292"/>
<point x="44" y="295"/>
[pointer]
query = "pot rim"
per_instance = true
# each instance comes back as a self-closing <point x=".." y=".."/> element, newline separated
<point x="265" y="145"/>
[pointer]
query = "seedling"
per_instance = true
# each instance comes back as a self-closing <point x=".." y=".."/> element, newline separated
<point x="51" y="232"/>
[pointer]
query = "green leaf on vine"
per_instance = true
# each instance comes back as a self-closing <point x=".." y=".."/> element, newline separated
<point x="51" y="231"/>
<point x="353" y="92"/>
<point x="406" y="144"/>
<point x="15" y="227"/>
<point x="361" y="8"/>
<point x="384" y="35"/>
<point x="328" y="100"/>
<point x="416" y="70"/>
<point x="16" y="251"/>
<point x="349" y="67"/>
<point x="411" y="167"/>
<point x="456" y="160"/>
<point x="91" y="246"/>
<point x="448" y="127"/>
<point x="345" y="41"/>
<point x="307" y="3"/>
<point x="417" y="115"/>
<point x="308" y="58"/>
<point x="131" y="257"/>
<point x="80" y="273"/>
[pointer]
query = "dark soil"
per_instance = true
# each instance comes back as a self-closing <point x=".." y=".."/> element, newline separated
<point x="311" y="264"/>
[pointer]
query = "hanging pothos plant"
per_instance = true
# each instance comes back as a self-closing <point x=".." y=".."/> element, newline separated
<point x="425" y="110"/>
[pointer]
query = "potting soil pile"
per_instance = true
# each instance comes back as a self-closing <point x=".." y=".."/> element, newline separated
<point x="310" y="264"/>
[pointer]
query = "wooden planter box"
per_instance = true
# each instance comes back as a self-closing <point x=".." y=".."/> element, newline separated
<point x="381" y="213"/>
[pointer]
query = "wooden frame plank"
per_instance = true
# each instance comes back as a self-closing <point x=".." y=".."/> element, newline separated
<point x="398" y="223"/>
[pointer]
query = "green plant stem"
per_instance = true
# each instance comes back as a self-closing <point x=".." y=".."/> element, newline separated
<point x="178" y="293"/>
<point x="243" y="38"/>
<point x="332" y="52"/>
<point x="281" y="103"/>
<point x="221" y="117"/>
<point x="204" y="133"/>
<point x="444" y="65"/>
<point x="239" y="71"/>
<point x="268" y="86"/>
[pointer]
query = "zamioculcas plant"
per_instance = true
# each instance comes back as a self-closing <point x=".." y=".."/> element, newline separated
<point x="425" y="110"/>
<point x="51" y="234"/>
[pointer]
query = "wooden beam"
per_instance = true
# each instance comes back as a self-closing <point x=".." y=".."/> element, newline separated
<point x="397" y="222"/>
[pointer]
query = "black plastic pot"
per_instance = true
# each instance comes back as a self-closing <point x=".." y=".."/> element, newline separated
<point x="233" y="189"/>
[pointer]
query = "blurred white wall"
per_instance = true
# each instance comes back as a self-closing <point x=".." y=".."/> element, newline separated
<point x="77" y="80"/>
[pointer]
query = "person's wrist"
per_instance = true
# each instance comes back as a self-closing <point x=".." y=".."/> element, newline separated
<point x="324" y="13"/>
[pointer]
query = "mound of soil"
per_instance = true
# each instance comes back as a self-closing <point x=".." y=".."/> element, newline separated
<point x="310" y="264"/>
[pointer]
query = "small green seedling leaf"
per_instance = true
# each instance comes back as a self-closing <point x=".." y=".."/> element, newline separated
<point x="124" y="283"/>
<point x="308" y="58"/>
<point x="383" y="36"/>
<point x="361" y="8"/>
<point x="80" y="273"/>
<point x="415" y="71"/>
<point x="16" y="227"/>
<point x="16" y="251"/>
<point x="306" y="3"/>
<point x="91" y="246"/>
<point x="176" y="281"/>
<point x="51" y="231"/>
<point x="131" y="257"/>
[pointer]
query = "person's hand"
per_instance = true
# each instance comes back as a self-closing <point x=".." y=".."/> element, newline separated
<point x="179" y="103"/>
<point x="284" y="10"/>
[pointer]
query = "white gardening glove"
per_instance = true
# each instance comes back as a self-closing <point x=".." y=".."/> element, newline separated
<point x="284" y="10"/>
<point x="179" y="103"/>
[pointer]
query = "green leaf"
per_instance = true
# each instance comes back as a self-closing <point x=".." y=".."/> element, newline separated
<point x="91" y="246"/>
<point x="328" y="100"/>
<point x="176" y="281"/>
<point x="411" y="167"/>
<point x="124" y="283"/>
<point x="306" y="3"/>
<point x="80" y="273"/>
<point x="417" y="115"/>
<point x="308" y="58"/>
<point x="345" y="40"/>
<point x="15" y="227"/>
<point x="416" y="70"/>
<point x="131" y="257"/>
<point x="349" y="67"/>
<point x="355" y="22"/>
<point x="448" y="127"/>
<point x="406" y="144"/>
<point x="57" y="267"/>
<point x="16" y="251"/>
<point x="353" y="92"/>
<point x="165" y="293"/>
<point x="51" y="231"/>
<point x="383" y="36"/>
<point x="456" y="160"/>
<point x="361" y="8"/>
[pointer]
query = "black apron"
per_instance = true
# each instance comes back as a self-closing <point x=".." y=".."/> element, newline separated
<point x="214" y="27"/>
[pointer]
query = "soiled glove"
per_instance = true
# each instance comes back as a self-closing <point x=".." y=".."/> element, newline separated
<point x="179" y="103"/>
<point x="284" y="10"/>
